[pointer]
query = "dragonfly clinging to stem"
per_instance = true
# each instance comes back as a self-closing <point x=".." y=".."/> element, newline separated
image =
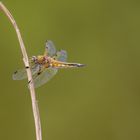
<point x="45" y="66"/>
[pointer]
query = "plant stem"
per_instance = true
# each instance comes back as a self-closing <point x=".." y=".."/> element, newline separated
<point x="29" y="74"/>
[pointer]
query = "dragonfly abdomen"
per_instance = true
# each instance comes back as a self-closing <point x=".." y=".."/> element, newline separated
<point x="58" y="64"/>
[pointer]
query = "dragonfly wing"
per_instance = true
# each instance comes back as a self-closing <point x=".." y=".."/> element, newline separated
<point x="44" y="77"/>
<point x="61" y="56"/>
<point x="22" y="74"/>
<point x="50" y="48"/>
<point x="19" y="74"/>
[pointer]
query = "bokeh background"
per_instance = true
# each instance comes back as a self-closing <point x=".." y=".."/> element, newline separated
<point x="98" y="102"/>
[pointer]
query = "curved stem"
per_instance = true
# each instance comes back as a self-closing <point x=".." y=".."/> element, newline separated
<point x="29" y="74"/>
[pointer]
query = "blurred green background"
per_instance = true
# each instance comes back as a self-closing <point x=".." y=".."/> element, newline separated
<point x="98" y="102"/>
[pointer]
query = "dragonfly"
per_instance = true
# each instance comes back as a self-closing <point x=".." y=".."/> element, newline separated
<point x="44" y="67"/>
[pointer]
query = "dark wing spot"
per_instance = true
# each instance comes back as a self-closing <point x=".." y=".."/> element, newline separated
<point x="27" y="67"/>
<point x="38" y="73"/>
<point x="15" y="72"/>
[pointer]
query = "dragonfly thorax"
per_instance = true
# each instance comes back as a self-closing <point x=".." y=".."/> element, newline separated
<point x="41" y="59"/>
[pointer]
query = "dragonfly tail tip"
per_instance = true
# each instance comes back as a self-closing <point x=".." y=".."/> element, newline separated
<point x="81" y="65"/>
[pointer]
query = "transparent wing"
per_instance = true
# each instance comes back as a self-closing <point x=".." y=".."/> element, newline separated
<point x="44" y="77"/>
<point x="21" y="73"/>
<point x="50" y="48"/>
<point x="61" y="56"/>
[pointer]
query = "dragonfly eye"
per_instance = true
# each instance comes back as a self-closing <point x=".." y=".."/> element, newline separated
<point x="34" y="59"/>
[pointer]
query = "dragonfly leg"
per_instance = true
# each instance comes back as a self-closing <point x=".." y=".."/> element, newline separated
<point x="38" y="73"/>
<point x="29" y="81"/>
<point x="41" y="68"/>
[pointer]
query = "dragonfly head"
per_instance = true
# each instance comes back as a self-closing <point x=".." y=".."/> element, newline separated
<point x="34" y="59"/>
